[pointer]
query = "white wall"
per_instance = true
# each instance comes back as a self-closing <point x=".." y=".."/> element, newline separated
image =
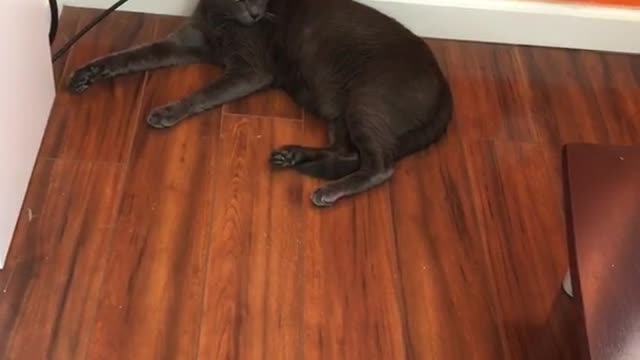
<point x="526" y="22"/>
<point x="541" y="23"/>
<point x="171" y="7"/>
<point x="26" y="95"/>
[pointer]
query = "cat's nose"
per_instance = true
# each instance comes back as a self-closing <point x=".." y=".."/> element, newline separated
<point x="254" y="12"/>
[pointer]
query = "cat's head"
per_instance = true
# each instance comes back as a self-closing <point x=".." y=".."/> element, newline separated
<point x="246" y="12"/>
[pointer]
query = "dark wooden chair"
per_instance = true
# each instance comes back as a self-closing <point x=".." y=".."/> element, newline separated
<point x="603" y="208"/>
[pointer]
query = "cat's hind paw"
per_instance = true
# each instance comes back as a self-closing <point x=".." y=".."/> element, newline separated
<point x="325" y="197"/>
<point x="163" y="117"/>
<point x="286" y="156"/>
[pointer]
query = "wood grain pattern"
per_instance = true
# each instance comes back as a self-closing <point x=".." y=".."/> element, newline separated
<point x="564" y="93"/>
<point x="99" y="124"/>
<point x="353" y="304"/>
<point x="273" y="103"/>
<point x="442" y="270"/>
<point x="524" y="248"/>
<point x="252" y="305"/>
<point x="58" y="261"/>
<point x="153" y="292"/>
<point x="137" y="243"/>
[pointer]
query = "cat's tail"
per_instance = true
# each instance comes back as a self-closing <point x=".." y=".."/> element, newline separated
<point x="336" y="167"/>
<point x="418" y="139"/>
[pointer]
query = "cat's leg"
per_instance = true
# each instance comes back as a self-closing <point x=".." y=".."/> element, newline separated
<point x="185" y="46"/>
<point x="324" y="163"/>
<point x="292" y="155"/>
<point x="332" y="162"/>
<point x="339" y="136"/>
<point x="332" y="167"/>
<point x="235" y="83"/>
<point x="374" y="142"/>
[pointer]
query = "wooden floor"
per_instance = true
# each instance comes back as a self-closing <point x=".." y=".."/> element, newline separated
<point x="136" y="243"/>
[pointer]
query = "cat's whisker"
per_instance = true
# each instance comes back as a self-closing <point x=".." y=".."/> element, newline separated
<point x="270" y="16"/>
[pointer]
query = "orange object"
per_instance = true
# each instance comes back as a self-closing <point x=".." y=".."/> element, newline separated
<point x="611" y="2"/>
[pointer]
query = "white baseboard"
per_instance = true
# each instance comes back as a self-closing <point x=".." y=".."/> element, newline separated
<point x="522" y="22"/>
<point x="167" y="7"/>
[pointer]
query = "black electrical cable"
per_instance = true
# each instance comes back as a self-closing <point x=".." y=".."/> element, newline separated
<point x="53" y="29"/>
<point x="86" y="29"/>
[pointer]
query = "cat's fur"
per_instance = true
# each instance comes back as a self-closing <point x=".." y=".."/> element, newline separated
<point x="377" y="84"/>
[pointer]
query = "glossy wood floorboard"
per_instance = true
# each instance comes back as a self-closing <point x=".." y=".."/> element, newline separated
<point x="136" y="243"/>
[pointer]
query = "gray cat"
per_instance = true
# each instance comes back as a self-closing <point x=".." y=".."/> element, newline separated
<point x="377" y="84"/>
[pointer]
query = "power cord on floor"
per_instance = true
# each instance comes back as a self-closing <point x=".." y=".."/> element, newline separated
<point x="53" y="30"/>
<point x="54" y="26"/>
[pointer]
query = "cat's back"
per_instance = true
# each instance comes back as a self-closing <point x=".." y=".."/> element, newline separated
<point x="351" y="20"/>
<point x="343" y="37"/>
<point x="336" y="29"/>
<point x="343" y="48"/>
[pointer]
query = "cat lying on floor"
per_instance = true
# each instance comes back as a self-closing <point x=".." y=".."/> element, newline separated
<point x="377" y="84"/>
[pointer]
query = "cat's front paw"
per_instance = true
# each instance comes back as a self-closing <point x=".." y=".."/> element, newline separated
<point x="286" y="156"/>
<point x="84" y="77"/>
<point x="164" y="117"/>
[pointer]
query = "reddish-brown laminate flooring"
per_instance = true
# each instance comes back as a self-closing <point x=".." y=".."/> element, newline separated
<point x="136" y="243"/>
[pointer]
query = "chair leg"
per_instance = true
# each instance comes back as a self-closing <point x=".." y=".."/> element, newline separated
<point x="567" y="285"/>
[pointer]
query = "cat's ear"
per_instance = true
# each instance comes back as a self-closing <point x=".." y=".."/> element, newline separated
<point x="211" y="11"/>
<point x="212" y="15"/>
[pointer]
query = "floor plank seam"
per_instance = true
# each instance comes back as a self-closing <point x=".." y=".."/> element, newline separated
<point x="209" y="232"/>
<point x="83" y="161"/>
<point x="402" y="301"/>
<point x="110" y="246"/>
<point x="117" y="206"/>
<point x="281" y="118"/>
